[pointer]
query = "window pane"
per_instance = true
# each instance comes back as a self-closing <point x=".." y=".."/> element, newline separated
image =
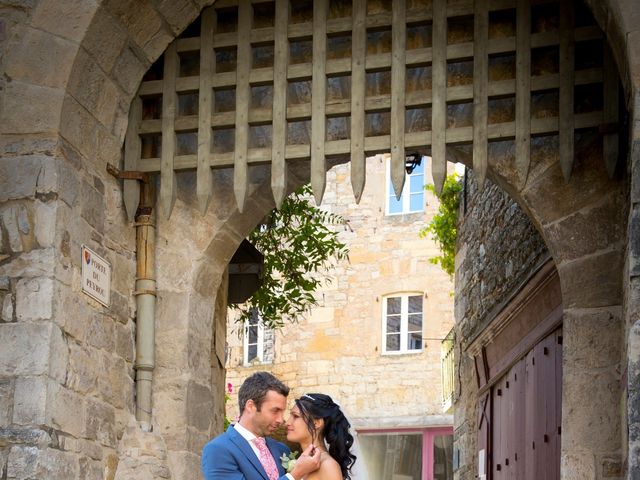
<point x="443" y="457"/>
<point x="414" y="341"/>
<point x="419" y="168"/>
<point x="416" y="202"/>
<point x="393" y="305"/>
<point x="415" y="304"/>
<point x="415" y="322"/>
<point x="393" y="324"/>
<point x="253" y="334"/>
<point x="389" y="456"/>
<point x="393" y="342"/>
<point x="252" y="352"/>
<point x="395" y="206"/>
<point x="416" y="183"/>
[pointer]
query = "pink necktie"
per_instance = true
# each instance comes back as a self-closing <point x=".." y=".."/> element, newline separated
<point x="266" y="459"/>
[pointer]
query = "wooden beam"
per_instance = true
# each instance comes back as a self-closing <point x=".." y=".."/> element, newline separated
<point x="566" y="94"/>
<point x="358" y="87"/>
<point x="523" y="90"/>
<point x="207" y="66"/>
<point x="279" y="130"/>
<point x="380" y="144"/>
<point x="243" y="94"/>
<point x="439" y="104"/>
<point x="168" y="185"/>
<point x="480" y="85"/>
<point x="132" y="152"/>
<point x="398" y="73"/>
<point x="318" y="99"/>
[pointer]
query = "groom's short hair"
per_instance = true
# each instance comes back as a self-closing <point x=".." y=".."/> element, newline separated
<point x="256" y="388"/>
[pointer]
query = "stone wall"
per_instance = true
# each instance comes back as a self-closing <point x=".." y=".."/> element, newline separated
<point x="497" y="250"/>
<point x="337" y="348"/>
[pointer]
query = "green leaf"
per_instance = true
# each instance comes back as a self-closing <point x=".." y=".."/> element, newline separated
<point x="443" y="225"/>
<point x="298" y="242"/>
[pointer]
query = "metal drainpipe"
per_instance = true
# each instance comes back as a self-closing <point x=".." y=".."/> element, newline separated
<point x="145" y="293"/>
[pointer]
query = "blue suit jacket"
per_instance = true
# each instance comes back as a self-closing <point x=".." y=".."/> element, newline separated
<point x="230" y="457"/>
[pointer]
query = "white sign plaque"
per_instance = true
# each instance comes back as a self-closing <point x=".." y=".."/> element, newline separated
<point x="96" y="276"/>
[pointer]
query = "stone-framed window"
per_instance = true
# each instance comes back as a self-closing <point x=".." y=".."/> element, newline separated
<point x="258" y="341"/>
<point x="402" y="323"/>
<point x="412" y="198"/>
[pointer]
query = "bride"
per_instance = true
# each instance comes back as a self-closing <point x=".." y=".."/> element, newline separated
<point x="316" y="419"/>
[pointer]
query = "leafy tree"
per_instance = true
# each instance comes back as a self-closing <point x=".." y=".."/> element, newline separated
<point x="298" y="244"/>
<point x="443" y="225"/>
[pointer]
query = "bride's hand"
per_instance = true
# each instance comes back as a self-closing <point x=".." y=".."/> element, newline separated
<point x="308" y="462"/>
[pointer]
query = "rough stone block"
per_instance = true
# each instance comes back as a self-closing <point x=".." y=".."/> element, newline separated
<point x="91" y="88"/>
<point x="184" y="464"/>
<point x="4" y="455"/>
<point x="66" y="409"/>
<point x="554" y="198"/>
<point x="67" y="20"/>
<point x="92" y="207"/>
<point x="592" y="338"/>
<point x="36" y="263"/>
<point x="19" y="176"/>
<point x="129" y="69"/>
<point x="41" y="58"/>
<point x="25" y="348"/>
<point x="612" y="467"/>
<point x="72" y="313"/>
<point x="6" y="401"/>
<point x="78" y="128"/>
<point x="588" y="231"/>
<point x="594" y="281"/>
<point x="27" y="462"/>
<point x="100" y="423"/>
<point x="30" y="108"/>
<point x="199" y="399"/>
<point x="45" y="223"/>
<point x="30" y="400"/>
<point x="7" y="308"/>
<point x="588" y="421"/>
<point x="111" y="380"/>
<point x="34" y="299"/>
<point x="177" y="14"/>
<point x="101" y="332"/>
<point x="84" y="369"/>
<point x="90" y="469"/>
<point x="28" y="436"/>
<point x="125" y="341"/>
<point x="15" y="221"/>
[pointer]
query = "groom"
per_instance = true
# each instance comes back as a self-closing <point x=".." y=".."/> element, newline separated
<point x="244" y="451"/>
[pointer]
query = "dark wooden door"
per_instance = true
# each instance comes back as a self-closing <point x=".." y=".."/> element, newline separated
<point x="526" y="416"/>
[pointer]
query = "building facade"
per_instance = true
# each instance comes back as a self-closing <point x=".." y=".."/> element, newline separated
<point x="373" y="342"/>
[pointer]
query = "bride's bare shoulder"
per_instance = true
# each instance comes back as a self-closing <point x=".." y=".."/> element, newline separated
<point x="329" y="469"/>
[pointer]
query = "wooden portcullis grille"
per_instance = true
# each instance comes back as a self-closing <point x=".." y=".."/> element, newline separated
<point x="258" y="81"/>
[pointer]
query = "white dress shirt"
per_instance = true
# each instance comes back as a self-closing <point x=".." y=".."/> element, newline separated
<point x="249" y="437"/>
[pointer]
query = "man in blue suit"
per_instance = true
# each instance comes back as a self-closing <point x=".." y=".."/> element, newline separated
<point x="244" y="451"/>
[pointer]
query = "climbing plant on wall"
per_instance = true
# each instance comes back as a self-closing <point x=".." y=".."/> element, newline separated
<point x="299" y="242"/>
<point x="443" y="225"/>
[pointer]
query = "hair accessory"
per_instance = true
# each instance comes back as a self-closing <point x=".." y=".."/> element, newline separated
<point x="309" y="397"/>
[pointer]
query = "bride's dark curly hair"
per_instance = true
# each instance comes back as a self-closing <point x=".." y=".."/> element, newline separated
<point x="315" y="406"/>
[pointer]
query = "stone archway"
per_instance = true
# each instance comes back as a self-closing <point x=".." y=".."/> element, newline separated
<point x="65" y="104"/>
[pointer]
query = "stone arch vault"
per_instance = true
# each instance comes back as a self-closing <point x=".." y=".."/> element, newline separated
<point x="70" y="72"/>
